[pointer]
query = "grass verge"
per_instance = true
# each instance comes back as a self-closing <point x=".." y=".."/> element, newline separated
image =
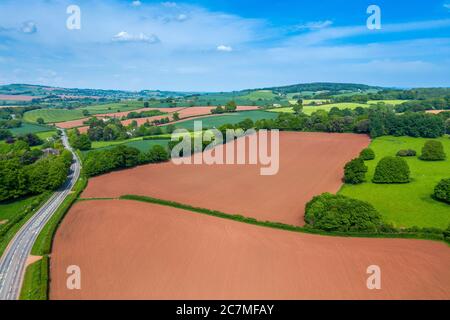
<point x="282" y="226"/>
<point x="9" y="230"/>
<point x="35" y="284"/>
<point x="43" y="243"/>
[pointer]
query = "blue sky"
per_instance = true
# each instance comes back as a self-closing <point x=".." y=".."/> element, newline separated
<point x="224" y="45"/>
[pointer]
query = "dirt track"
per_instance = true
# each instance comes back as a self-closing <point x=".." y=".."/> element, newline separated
<point x="134" y="250"/>
<point x="310" y="164"/>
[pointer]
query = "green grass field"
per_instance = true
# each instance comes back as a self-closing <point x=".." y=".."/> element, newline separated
<point x="232" y="118"/>
<point x="391" y="102"/>
<point x="310" y="109"/>
<point x="30" y="128"/>
<point x="138" y="143"/>
<point x="406" y="205"/>
<point x="53" y="115"/>
<point x="46" y="134"/>
<point x="59" y="115"/>
<point x="260" y="94"/>
<point x="114" y="107"/>
<point x="11" y="209"/>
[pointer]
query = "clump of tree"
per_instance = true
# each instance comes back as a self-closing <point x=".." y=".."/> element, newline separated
<point x="143" y="114"/>
<point x="23" y="175"/>
<point x="367" y="154"/>
<point x="5" y="134"/>
<point x="355" y="171"/>
<point x="442" y="191"/>
<point x="79" y="141"/>
<point x="406" y="153"/>
<point x="330" y="212"/>
<point x="383" y="121"/>
<point x="230" y="106"/>
<point x="121" y="157"/>
<point x="31" y="139"/>
<point x="392" y="170"/>
<point x="433" y="151"/>
<point x="298" y="107"/>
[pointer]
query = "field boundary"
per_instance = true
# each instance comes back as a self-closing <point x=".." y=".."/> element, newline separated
<point x="283" y="226"/>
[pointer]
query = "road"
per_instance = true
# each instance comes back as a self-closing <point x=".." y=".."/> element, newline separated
<point x="13" y="261"/>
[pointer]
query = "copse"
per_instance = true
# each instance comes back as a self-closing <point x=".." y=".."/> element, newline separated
<point x="391" y="170"/>
<point x="367" y="154"/>
<point x="330" y="212"/>
<point x="406" y="153"/>
<point x="355" y="171"/>
<point x="120" y="157"/>
<point x="442" y="191"/>
<point x="433" y="151"/>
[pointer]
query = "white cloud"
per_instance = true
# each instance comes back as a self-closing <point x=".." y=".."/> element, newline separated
<point x="29" y="27"/>
<point x="314" y="25"/>
<point x="124" y="36"/>
<point x="136" y="3"/>
<point x="224" y="48"/>
<point x="169" y="4"/>
<point x="182" y="17"/>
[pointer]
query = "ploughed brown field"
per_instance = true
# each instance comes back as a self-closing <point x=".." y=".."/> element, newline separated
<point x="310" y="164"/>
<point x="11" y="97"/>
<point x="135" y="250"/>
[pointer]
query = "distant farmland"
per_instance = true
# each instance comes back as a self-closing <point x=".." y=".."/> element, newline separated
<point x="327" y="107"/>
<point x="232" y="118"/>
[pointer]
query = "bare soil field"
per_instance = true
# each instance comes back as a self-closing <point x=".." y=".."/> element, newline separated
<point x="8" y="97"/>
<point x="135" y="250"/>
<point x="310" y="164"/>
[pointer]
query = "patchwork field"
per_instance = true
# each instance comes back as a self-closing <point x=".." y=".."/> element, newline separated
<point x="232" y="118"/>
<point x="53" y="115"/>
<point x="139" y="143"/>
<point x="183" y="113"/>
<point x="310" y="109"/>
<point x="135" y="250"/>
<point x="8" y="97"/>
<point x="406" y="205"/>
<point x="30" y="128"/>
<point x="240" y="189"/>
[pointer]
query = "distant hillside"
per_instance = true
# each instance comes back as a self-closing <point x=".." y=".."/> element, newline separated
<point x="45" y="91"/>
<point x="322" y="86"/>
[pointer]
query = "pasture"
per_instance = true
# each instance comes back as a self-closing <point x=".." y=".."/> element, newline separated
<point x="53" y="115"/>
<point x="138" y="143"/>
<point x="230" y="118"/>
<point x="406" y="205"/>
<point x="327" y="107"/>
<point x="30" y="128"/>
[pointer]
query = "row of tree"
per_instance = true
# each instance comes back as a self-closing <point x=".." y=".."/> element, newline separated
<point x="20" y="178"/>
<point x="121" y="157"/>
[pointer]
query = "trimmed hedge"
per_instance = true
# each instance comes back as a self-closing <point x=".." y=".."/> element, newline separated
<point x="355" y="171"/>
<point x="331" y="212"/>
<point x="367" y="154"/>
<point x="406" y="153"/>
<point x="391" y="170"/>
<point x="433" y="151"/>
<point x="442" y="191"/>
<point x="385" y="231"/>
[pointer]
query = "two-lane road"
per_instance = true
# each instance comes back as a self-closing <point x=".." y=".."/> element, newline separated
<point x="13" y="261"/>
